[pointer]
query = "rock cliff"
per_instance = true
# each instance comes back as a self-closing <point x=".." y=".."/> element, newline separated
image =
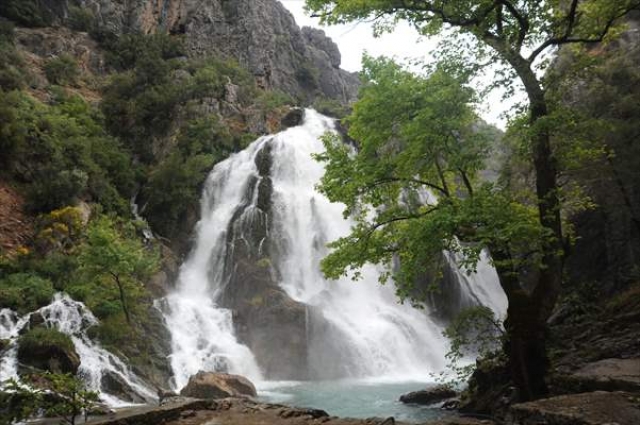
<point x="260" y="34"/>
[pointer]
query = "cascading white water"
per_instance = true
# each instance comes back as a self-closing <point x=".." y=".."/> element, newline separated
<point x="10" y="326"/>
<point x="373" y="335"/>
<point x="73" y="319"/>
<point x="202" y="333"/>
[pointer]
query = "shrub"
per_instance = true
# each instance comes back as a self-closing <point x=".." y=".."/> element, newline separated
<point x="12" y="74"/>
<point x="80" y="19"/>
<point x="62" y="70"/>
<point x="57" y="395"/>
<point x="174" y="188"/>
<point x="272" y="99"/>
<point x="7" y="31"/>
<point x="40" y="336"/>
<point x="25" y="292"/>
<point x="127" y="51"/>
<point x="54" y="189"/>
<point x="26" y="12"/>
<point x="331" y="107"/>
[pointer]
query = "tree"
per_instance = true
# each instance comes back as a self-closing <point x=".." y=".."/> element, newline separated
<point x="516" y="33"/>
<point x="108" y="252"/>
<point x="413" y="186"/>
<point x="57" y="395"/>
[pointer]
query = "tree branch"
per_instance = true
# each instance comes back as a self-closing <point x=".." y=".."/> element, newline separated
<point x="567" y="38"/>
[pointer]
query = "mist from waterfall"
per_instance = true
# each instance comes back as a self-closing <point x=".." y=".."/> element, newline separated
<point x="354" y="329"/>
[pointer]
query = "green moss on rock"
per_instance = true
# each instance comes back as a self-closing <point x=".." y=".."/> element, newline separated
<point x="48" y="349"/>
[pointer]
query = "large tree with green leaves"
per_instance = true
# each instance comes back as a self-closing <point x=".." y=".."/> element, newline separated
<point x="413" y="185"/>
<point x="518" y="34"/>
<point x="112" y="252"/>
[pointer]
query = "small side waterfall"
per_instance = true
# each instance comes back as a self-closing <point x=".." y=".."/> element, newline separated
<point x="251" y="298"/>
<point x="73" y="319"/>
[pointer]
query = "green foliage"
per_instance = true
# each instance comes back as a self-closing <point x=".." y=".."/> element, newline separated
<point x="39" y="337"/>
<point x="174" y="185"/>
<point x="26" y="12"/>
<point x="211" y="75"/>
<point x="61" y="151"/>
<point x="173" y="188"/>
<point x="57" y="395"/>
<point x="18" y="402"/>
<point x="25" y="292"/>
<point x="140" y="104"/>
<point x="113" y="256"/>
<point x="12" y="74"/>
<point x="62" y="70"/>
<point x="7" y="31"/>
<point x="331" y="107"/>
<point x="80" y="18"/>
<point x="475" y="331"/>
<point x="158" y="83"/>
<point x="417" y="141"/>
<point x="132" y="50"/>
<point x="273" y="99"/>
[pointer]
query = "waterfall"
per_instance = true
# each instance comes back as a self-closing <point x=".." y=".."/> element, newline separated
<point x="250" y="299"/>
<point x="73" y="318"/>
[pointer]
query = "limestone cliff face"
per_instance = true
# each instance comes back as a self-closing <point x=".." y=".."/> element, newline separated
<point x="260" y="34"/>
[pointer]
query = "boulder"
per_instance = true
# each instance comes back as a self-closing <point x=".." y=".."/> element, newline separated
<point x="293" y="118"/>
<point x="210" y="385"/>
<point x="429" y="396"/>
<point x="48" y="349"/>
<point x="603" y="375"/>
<point x="115" y="385"/>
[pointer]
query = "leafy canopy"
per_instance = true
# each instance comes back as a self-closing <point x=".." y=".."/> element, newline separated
<point x="412" y="184"/>
<point x="523" y="27"/>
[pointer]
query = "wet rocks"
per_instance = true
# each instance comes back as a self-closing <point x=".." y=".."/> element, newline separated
<point x="114" y="384"/>
<point x="429" y="396"/>
<point x="211" y="385"/>
<point x="293" y="118"/>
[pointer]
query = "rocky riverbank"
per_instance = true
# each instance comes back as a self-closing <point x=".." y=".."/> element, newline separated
<point x="243" y="411"/>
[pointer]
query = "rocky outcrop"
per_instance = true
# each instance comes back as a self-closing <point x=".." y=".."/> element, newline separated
<point x="210" y="385"/>
<point x="293" y="118"/>
<point x="260" y="34"/>
<point x="48" y="350"/>
<point x="596" y="408"/>
<point x="270" y="323"/>
<point x="112" y="383"/>
<point x="604" y="375"/>
<point x="429" y="396"/>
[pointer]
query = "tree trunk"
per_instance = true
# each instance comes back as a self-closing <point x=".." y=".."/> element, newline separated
<point x="122" y="298"/>
<point x="528" y="313"/>
<point x="525" y="345"/>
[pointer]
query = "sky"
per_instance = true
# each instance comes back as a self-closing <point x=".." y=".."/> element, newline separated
<point x="403" y="44"/>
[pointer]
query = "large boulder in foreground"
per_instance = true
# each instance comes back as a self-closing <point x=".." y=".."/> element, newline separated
<point x="208" y="385"/>
<point x="429" y="396"/>
<point x="48" y="349"/>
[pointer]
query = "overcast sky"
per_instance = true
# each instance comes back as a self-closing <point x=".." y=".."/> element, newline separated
<point x="403" y="43"/>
